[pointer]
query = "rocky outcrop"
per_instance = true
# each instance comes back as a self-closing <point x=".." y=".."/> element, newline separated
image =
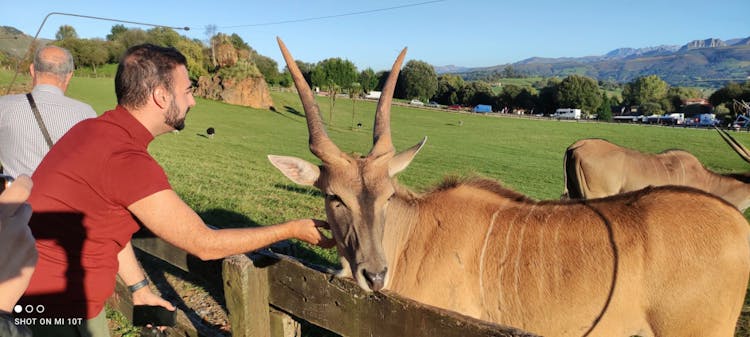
<point x="707" y="43"/>
<point x="252" y="91"/>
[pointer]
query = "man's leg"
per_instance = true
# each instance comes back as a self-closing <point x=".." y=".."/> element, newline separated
<point x="95" y="327"/>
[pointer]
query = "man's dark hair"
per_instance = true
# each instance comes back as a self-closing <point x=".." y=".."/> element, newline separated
<point x="142" y="69"/>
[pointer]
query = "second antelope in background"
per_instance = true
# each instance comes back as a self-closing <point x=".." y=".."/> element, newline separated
<point x="596" y="168"/>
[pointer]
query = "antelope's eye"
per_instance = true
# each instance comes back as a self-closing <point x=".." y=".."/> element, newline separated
<point x="334" y="198"/>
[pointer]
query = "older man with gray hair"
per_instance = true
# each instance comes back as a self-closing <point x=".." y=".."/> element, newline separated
<point x="30" y="123"/>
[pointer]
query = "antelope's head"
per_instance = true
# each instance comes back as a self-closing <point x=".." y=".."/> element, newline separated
<point x="357" y="189"/>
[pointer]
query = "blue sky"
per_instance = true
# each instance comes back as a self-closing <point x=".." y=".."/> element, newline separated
<point x="471" y="33"/>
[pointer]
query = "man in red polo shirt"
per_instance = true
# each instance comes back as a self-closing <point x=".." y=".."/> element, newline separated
<point x="99" y="178"/>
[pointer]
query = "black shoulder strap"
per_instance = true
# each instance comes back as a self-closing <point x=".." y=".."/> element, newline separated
<point x="39" y="120"/>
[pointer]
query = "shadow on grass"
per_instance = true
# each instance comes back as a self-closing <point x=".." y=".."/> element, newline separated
<point x="301" y="190"/>
<point x="293" y="111"/>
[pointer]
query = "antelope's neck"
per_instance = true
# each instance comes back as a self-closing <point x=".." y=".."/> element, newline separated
<point x="402" y="218"/>
<point x="730" y="189"/>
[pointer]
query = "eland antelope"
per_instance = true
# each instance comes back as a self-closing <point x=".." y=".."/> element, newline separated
<point x="596" y="168"/>
<point x="614" y="267"/>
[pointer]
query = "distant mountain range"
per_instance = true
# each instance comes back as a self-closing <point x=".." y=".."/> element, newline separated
<point x="702" y="63"/>
<point x="705" y="63"/>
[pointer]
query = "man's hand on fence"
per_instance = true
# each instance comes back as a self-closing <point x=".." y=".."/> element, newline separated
<point x="144" y="296"/>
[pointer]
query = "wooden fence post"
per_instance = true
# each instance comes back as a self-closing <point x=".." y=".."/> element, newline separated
<point x="283" y="325"/>
<point x="246" y="292"/>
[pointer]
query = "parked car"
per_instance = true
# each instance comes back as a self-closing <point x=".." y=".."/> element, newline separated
<point x="455" y="107"/>
<point x="416" y="102"/>
<point x="433" y="104"/>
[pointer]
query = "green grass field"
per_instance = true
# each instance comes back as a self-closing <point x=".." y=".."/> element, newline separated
<point x="229" y="181"/>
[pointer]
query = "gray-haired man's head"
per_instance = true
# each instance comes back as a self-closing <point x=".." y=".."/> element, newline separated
<point x="52" y="65"/>
<point x="53" y="59"/>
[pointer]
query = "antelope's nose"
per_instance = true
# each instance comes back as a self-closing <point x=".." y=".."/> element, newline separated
<point x="375" y="280"/>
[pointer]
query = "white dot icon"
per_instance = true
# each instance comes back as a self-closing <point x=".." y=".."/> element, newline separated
<point x="18" y="308"/>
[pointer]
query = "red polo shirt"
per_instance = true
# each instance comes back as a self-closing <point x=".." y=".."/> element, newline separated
<point x="82" y="189"/>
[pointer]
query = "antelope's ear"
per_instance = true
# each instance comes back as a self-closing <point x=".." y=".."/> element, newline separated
<point x="297" y="170"/>
<point x="400" y="161"/>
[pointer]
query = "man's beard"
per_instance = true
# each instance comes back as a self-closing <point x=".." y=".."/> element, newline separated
<point x="173" y="116"/>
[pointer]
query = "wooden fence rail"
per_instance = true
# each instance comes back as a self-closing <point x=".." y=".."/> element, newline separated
<point x="266" y="293"/>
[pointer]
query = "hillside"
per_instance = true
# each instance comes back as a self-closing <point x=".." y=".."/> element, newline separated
<point x="702" y="63"/>
<point x="14" y="42"/>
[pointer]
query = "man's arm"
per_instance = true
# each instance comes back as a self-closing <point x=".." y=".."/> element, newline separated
<point x="169" y="218"/>
<point x="131" y="273"/>
<point x="18" y="253"/>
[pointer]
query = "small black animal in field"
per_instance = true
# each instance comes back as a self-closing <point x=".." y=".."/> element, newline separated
<point x="210" y="132"/>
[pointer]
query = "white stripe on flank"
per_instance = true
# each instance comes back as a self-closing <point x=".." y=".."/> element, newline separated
<point x="666" y="170"/>
<point x="517" y="266"/>
<point x="684" y="172"/>
<point x="481" y="258"/>
<point x="556" y="244"/>
<point x="501" y="269"/>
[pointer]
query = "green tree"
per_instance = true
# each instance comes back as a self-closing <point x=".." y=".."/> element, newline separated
<point x="367" y="80"/>
<point x="507" y="97"/>
<point x="580" y="92"/>
<point x="382" y="76"/>
<point x="334" y="71"/>
<point x="527" y="98"/>
<point x="193" y="51"/>
<point x="306" y="69"/>
<point x="73" y="46"/>
<point x="132" y="37"/>
<point x="448" y="89"/>
<point x="547" y="98"/>
<point x="268" y="67"/>
<point x="116" y="31"/>
<point x="92" y="53"/>
<point x="285" y="79"/>
<point x="419" y="80"/>
<point x="476" y="92"/>
<point x="646" y="89"/>
<point x="162" y="36"/>
<point x="66" y="32"/>
<point x="238" y="43"/>
<point x="652" y="108"/>
<point x="604" y="112"/>
<point x="333" y="74"/>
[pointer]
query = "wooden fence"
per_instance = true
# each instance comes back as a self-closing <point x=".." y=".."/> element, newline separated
<point x="267" y="294"/>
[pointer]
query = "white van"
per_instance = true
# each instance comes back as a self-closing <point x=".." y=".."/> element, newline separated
<point x="567" y="113"/>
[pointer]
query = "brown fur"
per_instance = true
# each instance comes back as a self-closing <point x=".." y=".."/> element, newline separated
<point x="620" y="266"/>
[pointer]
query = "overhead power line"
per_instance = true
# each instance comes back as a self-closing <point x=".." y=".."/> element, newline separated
<point x="331" y="16"/>
<point x="31" y="44"/>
